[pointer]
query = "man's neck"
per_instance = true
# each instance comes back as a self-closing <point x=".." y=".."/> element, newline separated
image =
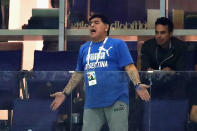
<point x="166" y="45"/>
<point x="98" y="39"/>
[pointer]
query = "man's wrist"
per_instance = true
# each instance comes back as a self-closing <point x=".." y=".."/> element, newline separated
<point x="65" y="94"/>
<point x="137" y="86"/>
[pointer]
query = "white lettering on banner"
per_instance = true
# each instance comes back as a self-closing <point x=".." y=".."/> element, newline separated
<point x="98" y="56"/>
<point x="100" y="64"/>
<point x="94" y="56"/>
<point x="102" y="56"/>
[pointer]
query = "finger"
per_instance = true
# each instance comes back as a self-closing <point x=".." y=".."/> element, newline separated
<point x="53" y="95"/>
<point x="142" y="97"/>
<point x="147" y="86"/>
<point x="57" y="104"/>
<point x="54" y="107"/>
<point x="52" y="104"/>
<point x="147" y="96"/>
<point x="144" y="86"/>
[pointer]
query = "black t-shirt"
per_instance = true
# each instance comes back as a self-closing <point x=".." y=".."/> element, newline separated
<point x="195" y="57"/>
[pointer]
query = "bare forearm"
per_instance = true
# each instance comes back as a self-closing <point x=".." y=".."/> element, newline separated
<point x="75" y="80"/>
<point x="133" y="73"/>
<point x="141" y="89"/>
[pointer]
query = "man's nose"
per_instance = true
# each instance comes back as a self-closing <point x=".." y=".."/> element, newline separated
<point x="158" y="35"/>
<point x="92" y="24"/>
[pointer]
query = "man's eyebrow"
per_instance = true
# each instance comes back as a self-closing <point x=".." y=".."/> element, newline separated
<point x="95" y="21"/>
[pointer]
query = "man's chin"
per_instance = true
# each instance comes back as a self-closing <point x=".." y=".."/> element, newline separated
<point x="93" y="36"/>
<point x="159" y="43"/>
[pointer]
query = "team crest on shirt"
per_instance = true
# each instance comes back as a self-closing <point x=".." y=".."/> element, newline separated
<point x="102" y="58"/>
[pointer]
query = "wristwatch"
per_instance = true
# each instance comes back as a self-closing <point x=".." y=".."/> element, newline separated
<point x="63" y="92"/>
<point x="138" y="86"/>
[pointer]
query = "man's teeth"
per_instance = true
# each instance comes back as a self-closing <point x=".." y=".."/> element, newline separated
<point x="93" y="30"/>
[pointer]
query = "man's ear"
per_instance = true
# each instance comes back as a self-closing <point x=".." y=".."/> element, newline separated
<point x="107" y="27"/>
<point x="171" y="34"/>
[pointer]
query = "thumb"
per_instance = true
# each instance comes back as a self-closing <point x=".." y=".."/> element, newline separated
<point x="145" y="86"/>
<point x="53" y="95"/>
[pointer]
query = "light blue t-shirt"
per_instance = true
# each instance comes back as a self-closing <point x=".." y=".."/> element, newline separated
<point x="112" y="81"/>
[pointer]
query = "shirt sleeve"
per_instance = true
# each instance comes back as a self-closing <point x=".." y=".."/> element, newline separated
<point x="80" y="66"/>
<point x="124" y="57"/>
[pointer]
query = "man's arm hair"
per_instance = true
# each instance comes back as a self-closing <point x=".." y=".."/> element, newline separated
<point x="75" y="80"/>
<point x="133" y="73"/>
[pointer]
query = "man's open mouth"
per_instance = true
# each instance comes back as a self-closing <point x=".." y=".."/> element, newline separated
<point x="92" y="30"/>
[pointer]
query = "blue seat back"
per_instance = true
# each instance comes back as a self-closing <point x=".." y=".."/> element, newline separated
<point x="33" y="114"/>
<point x="55" y="61"/>
<point x="10" y="64"/>
<point x="43" y="83"/>
<point x="10" y="60"/>
<point x="50" y="72"/>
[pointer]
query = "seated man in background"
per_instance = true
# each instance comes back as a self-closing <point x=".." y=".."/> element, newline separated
<point x="166" y="53"/>
<point x="163" y="52"/>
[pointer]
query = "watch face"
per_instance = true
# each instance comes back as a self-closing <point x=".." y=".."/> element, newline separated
<point x="138" y="83"/>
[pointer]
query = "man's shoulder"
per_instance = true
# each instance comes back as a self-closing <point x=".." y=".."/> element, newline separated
<point x="115" y="40"/>
<point x="178" y="43"/>
<point x="86" y="44"/>
<point x="176" y="40"/>
<point x="152" y="40"/>
<point x="149" y="43"/>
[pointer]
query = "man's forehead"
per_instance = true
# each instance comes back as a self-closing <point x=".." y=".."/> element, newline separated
<point x="161" y="27"/>
<point x="95" y="19"/>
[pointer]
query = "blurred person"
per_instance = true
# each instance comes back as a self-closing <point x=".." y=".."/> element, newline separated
<point x="4" y="15"/>
<point x="105" y="100"/>
<point x="163" y="52"/>
<point x="54" y="3"/>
